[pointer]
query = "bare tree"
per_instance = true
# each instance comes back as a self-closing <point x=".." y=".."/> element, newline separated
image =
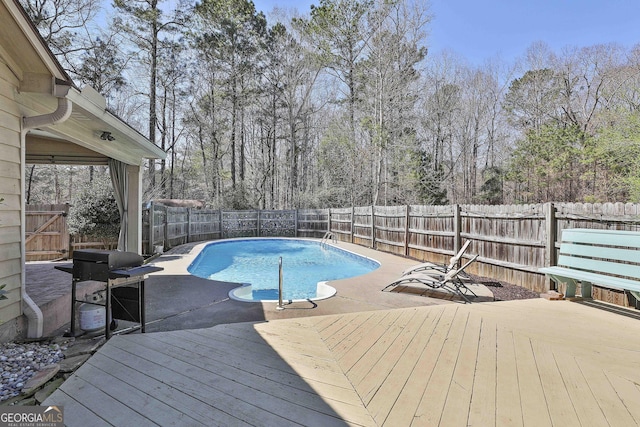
<point x="144" y="23"/>
<point x="64" y="25"/>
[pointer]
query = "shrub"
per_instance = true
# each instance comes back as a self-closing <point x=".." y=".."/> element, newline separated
<point x="94" y="212"/>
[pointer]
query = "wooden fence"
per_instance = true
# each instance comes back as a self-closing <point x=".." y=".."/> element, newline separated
<point x="512" y="241"/>
<point x="46" y="232"/>
<point x="47" y="235"/>
<point x="173" y="226"/>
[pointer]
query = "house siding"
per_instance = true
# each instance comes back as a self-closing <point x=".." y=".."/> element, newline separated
<point x="11" y="271"/>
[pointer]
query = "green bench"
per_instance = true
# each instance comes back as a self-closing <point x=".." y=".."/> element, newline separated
<point x="608" y="258"/>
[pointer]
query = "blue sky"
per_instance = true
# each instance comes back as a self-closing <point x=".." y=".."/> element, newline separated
<point x="479" y="30"/>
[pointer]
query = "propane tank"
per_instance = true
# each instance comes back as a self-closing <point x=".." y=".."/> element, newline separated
<point x="92" y="316"/>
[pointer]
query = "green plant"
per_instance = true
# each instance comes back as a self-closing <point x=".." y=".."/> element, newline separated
<point x="95" y="212"/>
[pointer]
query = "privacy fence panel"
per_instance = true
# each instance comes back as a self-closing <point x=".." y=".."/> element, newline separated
<point x="363" y="226"/>
<point x="342" y="224"/>
<point x="239" y="224"/>
<point x="510" y="241"/>
<point x="277" y="223"/>
<point x="204" y="224"/>
<point x="390" y="228"/>
<point x="608" y="216"/>
<point x="154" y="218"/>
<point x="431" y="233"/>
<point x="312" y="222"/>
<point x="177" y="226"/>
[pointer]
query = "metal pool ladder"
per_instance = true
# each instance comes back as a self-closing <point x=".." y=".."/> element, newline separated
<point x="327" y="236"/>
<point x="280" y="305"/>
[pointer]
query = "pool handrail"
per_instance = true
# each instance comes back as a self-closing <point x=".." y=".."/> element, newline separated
<point x="280" y="305"/>
<point x="328" y="236"/>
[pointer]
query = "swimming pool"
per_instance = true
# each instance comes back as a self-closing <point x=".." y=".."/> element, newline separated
<point x="306" y="266"/>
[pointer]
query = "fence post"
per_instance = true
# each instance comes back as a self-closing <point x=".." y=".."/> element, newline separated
<point x="457" y="229"/>
<point x="258" y="228"/>
<point x="329" y="220"/>
<point x="221" y="233"/>
<point x="166" y="228"/>
<point x="353" y="214"/>
<point x="406" y="231"/>
<point x="151" y="248"/>
<point x="189" y="225"/>
<point x="552" y="231"/>
<point x="295" y="222"/>
<point x="373" y="227"/>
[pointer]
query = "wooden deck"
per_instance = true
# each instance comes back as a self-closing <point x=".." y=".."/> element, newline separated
<point x="530" y="362"/>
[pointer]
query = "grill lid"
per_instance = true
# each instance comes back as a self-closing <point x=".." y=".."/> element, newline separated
<point x="113" y="259"/>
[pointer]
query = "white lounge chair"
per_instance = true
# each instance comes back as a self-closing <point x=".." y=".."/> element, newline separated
<point x="451" y="281"/>
<point x="432" y="268"/>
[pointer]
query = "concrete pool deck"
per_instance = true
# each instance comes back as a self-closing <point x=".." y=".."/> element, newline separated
<point x="177" y="300"/>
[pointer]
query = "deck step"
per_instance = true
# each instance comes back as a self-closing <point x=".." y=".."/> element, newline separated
<point x="552" y="296"/>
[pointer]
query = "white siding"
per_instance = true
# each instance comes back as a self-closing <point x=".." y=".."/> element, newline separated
<point x="11" y="192"/>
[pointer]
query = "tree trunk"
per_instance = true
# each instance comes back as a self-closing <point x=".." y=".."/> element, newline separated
<point x="153" y="120"/>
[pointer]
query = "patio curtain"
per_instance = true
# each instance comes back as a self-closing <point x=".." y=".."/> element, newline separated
<point x="120" y="181"/>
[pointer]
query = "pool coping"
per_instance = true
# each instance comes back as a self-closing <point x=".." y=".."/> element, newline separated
<point x="241" y="293"/>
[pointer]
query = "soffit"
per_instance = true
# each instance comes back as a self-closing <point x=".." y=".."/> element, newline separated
<point x="43" y="149"/>
<point x="22" y="48"/>
<point x="89" y="119"/>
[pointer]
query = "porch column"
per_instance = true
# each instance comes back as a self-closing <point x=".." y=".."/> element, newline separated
<point x="134" y="209"/>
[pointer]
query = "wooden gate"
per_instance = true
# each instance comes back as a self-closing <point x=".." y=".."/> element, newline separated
<point x="47" y="235"/>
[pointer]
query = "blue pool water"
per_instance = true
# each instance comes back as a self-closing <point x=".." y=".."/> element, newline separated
<point x="305" y="263"/>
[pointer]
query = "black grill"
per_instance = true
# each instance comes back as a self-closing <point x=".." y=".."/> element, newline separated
<point x="126" y="302"/>
<point x="93" y="264"/>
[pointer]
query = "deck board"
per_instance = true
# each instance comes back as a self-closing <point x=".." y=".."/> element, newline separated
<point x="561" y="410"/>
<point x="101" y="403"/>
<point x="376" y="390"/>
<point x="534" y="408"/>
<point x="411" y="392"/>
<point x="197" y="408"/>
<point x="461" y="384"/>
<point x="482" y="410"/>
<point x="76" y="411"/>
<point x="508" y="399"/>
<point x="532" y="362"/>
<point x="146" y="404"/>
<point x="384" y="349"/>
<point x="202" y="387"/>
<point x="434" y="397"/>
<point x="606" y="400"/>
<point x="587" y="406"/>
<point x="367" y="349"/>
<point x="630" y="395"/>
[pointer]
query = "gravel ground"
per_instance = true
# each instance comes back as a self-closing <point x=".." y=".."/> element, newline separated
<point x="20" y="361"/>
<point x="503" y="291"/>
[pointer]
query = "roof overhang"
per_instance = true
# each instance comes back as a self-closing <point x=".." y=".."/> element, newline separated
<point x="83" y="135"/>
<point x="80" y="136"/>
